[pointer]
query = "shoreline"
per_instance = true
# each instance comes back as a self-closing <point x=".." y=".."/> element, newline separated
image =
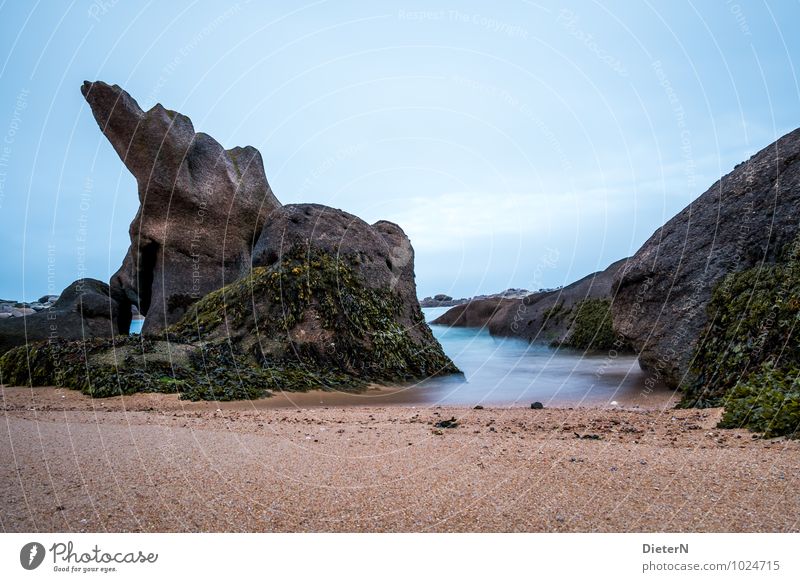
<point x="71" y="463"/>
<point x="399" y="396"/>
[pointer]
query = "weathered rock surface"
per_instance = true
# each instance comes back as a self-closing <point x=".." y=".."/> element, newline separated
<point x="474" y="312"/>
<point x="201" y="207"/>
<point x="745" y="219"/>
<point x="84" y="310"/>
<point x="242" y="296"/>
<point x="546" y="316"/>
<point x="327" y="290"/>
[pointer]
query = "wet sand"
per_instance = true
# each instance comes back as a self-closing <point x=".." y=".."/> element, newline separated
<point x="408" y="396"/>
<point x="292" y="463"/>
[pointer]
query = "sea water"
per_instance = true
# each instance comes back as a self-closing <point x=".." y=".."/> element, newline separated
<point x="509" y="371"/>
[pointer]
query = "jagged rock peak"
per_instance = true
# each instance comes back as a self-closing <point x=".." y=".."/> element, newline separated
<point x="201" y="210"/>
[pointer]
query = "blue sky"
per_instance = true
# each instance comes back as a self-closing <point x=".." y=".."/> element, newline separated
<point x="519" y="144"/>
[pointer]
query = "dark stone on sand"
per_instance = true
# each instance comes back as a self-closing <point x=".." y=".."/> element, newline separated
<point x="450" y="423"/>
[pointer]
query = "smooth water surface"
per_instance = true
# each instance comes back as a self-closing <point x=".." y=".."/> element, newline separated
<point x="508" y="371"/>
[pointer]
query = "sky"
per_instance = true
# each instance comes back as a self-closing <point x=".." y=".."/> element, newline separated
<point x="518" y="144"/>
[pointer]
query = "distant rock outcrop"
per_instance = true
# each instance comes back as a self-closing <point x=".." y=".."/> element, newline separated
<point x="441" y="300"/>
<point x="473" y="312"/>
<point x="23" y="308"/>
<point x="84" y="310"/>
<point x="545" y="316"/>
<point x="201" y="207"/>
<point x="746" y="219"/>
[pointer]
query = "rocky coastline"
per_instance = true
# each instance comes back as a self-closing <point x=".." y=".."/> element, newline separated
<point x="305" y="296"/>
<point x="241" y="295"/>
<point x="443" y="300"/>
<point x="706" y="303"/>
<point x="575" y="316"/>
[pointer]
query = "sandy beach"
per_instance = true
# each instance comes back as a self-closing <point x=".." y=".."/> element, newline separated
<point x="151" y="462"/>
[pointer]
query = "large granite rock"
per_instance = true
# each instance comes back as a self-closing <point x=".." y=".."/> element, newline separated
<point x="327" y="290"/>
<point x="241" y="295"/>
<point x="546" y="316"/>
<point x="84" y="310"/>
<point x="744" y="220"/>
<point x="201" y="207"/>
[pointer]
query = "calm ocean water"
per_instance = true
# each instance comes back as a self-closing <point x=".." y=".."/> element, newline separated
<point x="507" y="371"/>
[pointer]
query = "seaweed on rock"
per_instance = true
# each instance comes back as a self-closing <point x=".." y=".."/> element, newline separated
<point x="97" y="367"/>
<point x="312" y="308"/>
<point x="308" y="322"/>
<point x="591" y="327"/>
<point x="747" y="358"/>
<point x="103" y="368"/>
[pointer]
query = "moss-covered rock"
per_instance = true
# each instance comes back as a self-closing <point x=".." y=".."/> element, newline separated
<point x="313" y="309"/>
<point x="310" y="321"/>
<point x="766" y="401"/>
<point x="591" y="327"/>
<point x="126" y="365"/>
<point x="98" y="367"/>
<point x="747" y="357"/>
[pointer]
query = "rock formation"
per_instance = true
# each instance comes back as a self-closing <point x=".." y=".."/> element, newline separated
<point x="545" y="316"/>
<point x="474" y="312"/>
<point x="241" y="295"/>
<point x="327" y="290"/>
<point x="744" y="220"/>
<point x="441" y="300"/>
<point x="201" y="207"/>
<point x="23" y="308"/>
<point x="84" y="310"/>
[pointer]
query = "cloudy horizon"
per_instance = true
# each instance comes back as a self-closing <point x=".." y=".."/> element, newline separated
<point x="518" y="146"/>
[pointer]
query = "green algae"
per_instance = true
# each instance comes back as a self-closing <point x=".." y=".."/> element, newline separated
<point x="747" y="357"/>
<point x="209" y="372"/>
<point x="591" y="326"/>
<point x="766" y="401"/>
<point x="314" y="308"/>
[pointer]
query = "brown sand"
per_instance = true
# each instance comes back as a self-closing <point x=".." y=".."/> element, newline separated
<point x="155" y="463"/>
